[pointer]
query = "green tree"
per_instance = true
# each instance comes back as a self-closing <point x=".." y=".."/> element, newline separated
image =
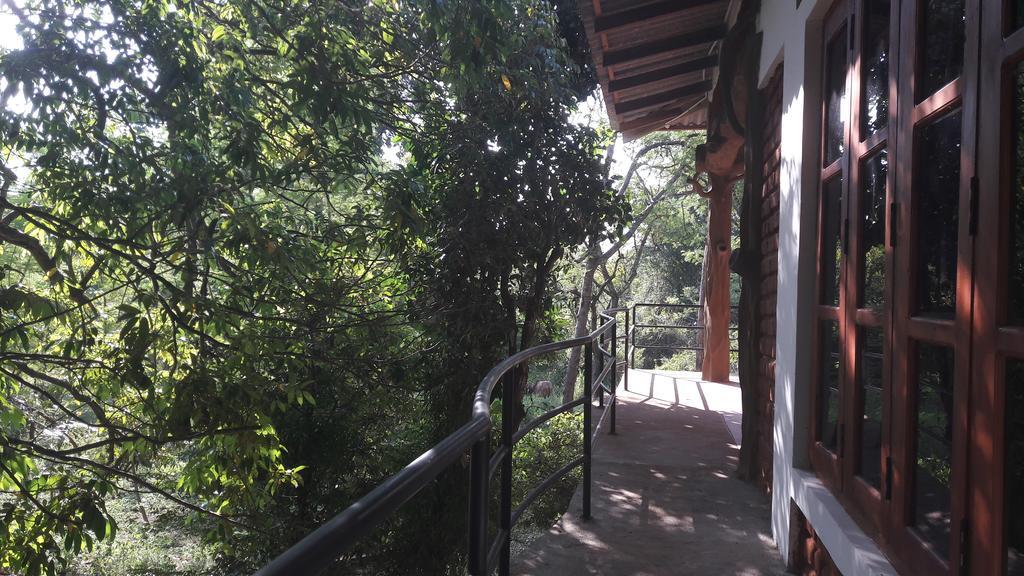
<point x="217" y="288"/>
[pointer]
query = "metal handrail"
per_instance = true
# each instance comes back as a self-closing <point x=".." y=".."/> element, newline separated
<point x="326" y="544"/>
<point x="631" y="342"/>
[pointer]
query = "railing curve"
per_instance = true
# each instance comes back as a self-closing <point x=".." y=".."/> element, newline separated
<point x="319" y="549"/>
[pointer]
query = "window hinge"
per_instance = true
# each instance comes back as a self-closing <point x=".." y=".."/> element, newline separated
<point x="965" y="547"/>
<point x="894" y="214"/>
<point x="888" y="478"/>
<point x="973" y="224"/>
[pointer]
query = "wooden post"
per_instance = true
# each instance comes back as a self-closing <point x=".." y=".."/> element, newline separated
<point x="716" y="307"/>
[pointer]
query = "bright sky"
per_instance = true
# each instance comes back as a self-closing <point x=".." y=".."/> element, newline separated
<point x="9" y="39"/>
<point x="591" y="112"/>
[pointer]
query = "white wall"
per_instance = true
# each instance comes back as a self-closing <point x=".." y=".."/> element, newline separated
<point x="792" y="36"/>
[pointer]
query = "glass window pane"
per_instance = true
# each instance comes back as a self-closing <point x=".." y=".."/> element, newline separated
<point x="871" y="382"/>
<point x="875" y="69"/>
<point x="941" y="50"/>
<point x="937" y="191"/>
<point x="1015" y="275"/>
<point x="1013" y="501"/>
<point x="872" y="230"/>
<point x="933" y="450"/>
<point x="835" y="96"/>
<point x="1017" y="8"/>
<point x="829" y="384"/>
<point x="831" y="242"/>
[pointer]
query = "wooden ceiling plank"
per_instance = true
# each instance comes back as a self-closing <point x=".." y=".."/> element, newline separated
<point x="676" y="42"/>
<point x="644" y="122"/>
<point x="656" y="120"/>
<point x="655" y="99"/>
<point x="623" y="18"/>
<point x="694" y="65"/>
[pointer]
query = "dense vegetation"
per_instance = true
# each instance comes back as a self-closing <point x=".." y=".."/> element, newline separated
<point x="256" y="255"/>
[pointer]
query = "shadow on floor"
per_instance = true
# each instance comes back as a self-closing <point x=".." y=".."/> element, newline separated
<point x="664" y="499"/>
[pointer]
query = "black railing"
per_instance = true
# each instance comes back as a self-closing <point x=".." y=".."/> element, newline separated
<point x="695" y="325"/>
<point x="329" y="542"/>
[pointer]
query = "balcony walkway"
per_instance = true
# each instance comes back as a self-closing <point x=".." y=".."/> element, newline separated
<point x="664" y="499"/>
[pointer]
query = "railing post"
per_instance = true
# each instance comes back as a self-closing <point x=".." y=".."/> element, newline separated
<point x="478" y="497"/>
<point x="588" y="405"/>
<point x="625" y="354"/>
<point x="509" y="402"/>
<point x="600" y="370"/>
<point x="632" y="340"/>
<point x="615" y="374"/>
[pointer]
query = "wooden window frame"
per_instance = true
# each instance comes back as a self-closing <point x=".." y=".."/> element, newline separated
<point x="840" y="469"/>
<point x="994" y="341"/>
<point x="826" y="463"/>
<point x="867" y="501"/>
<point x="887" y="511"/>
<point x="909" y="327"/>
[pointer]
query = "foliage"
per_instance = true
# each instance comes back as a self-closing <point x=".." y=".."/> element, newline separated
<point x="155" y="540"/>
<point x="255" y="255"/>
<point x="538" y="455"/>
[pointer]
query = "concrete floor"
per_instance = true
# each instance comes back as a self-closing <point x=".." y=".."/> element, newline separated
<point x="664" y="499"/>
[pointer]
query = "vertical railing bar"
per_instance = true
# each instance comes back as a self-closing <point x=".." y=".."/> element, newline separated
<point x="509" y="405"/>
<point x="632" y="342"/>
<point x="615" y="374"/>
<point x="600" y="370"/>
<point x="625" y="355"/>
<point x="588" y="405"/>
<point x="478" y="496"/>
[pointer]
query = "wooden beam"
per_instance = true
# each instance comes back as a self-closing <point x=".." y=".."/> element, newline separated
<point x="694" y="65"/>
<point x="662" y="97"/>
<point x="716" y="304"/>
<point x="677" y="42"/>
<point x="622" y="18"/>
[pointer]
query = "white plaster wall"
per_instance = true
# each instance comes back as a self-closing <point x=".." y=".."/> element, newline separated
<point x="783" y="26"/>
<point x="791" y="35"/>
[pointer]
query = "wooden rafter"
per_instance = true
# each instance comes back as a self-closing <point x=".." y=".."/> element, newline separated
<point x="656" y="119"/>
<point x="623" y="18"/>
<point x="678" y="42"/>
<point x="694" y="65"/>
<point x="662" y="97"/>
<point x="649" y="120"/>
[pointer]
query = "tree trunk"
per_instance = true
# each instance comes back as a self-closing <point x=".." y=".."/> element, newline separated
<point x="573" y="365"/>
<point x="532" y="312"/>
<point x="748" y="266"/>
<point x="596" y="258"/>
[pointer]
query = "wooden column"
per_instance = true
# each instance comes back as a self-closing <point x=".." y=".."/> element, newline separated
<point x="716" y="303"/>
